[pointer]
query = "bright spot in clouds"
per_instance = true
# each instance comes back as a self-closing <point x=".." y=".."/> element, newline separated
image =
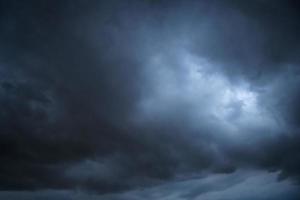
<point x="194" y="88"/>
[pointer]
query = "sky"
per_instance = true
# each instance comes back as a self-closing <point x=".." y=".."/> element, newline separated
<point x="149" y="99"/>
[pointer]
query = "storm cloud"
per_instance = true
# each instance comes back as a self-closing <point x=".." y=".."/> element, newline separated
<point x="128" y="99"/>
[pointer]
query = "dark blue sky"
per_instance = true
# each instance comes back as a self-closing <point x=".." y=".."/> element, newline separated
<point x="140" y="100"/>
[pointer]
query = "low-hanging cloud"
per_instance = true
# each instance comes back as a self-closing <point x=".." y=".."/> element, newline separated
<point x="115" y="96"/>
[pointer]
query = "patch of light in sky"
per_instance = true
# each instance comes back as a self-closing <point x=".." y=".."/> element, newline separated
<point x="194" y="83"/>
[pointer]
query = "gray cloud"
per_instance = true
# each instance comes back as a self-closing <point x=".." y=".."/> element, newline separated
<point x="115" y="96"/>
<point x="239" y="185"/>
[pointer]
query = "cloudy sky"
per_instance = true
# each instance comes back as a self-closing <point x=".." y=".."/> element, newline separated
<point x="149" y="100"/>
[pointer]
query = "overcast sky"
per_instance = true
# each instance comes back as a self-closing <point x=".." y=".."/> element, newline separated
<point x="149" y="99"/>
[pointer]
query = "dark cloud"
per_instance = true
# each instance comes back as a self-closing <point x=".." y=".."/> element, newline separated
<point x="239" y="185"/>
<point x="115" y="96"/>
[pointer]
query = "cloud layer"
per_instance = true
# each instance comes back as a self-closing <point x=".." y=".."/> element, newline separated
<point x="115" y="96"/>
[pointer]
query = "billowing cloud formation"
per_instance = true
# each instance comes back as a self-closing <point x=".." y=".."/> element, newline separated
<point x="239" y="185"/>
<point x="116" y="96"/>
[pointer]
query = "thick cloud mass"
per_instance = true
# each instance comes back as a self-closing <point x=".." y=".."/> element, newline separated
<point x="117" y="96"/>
